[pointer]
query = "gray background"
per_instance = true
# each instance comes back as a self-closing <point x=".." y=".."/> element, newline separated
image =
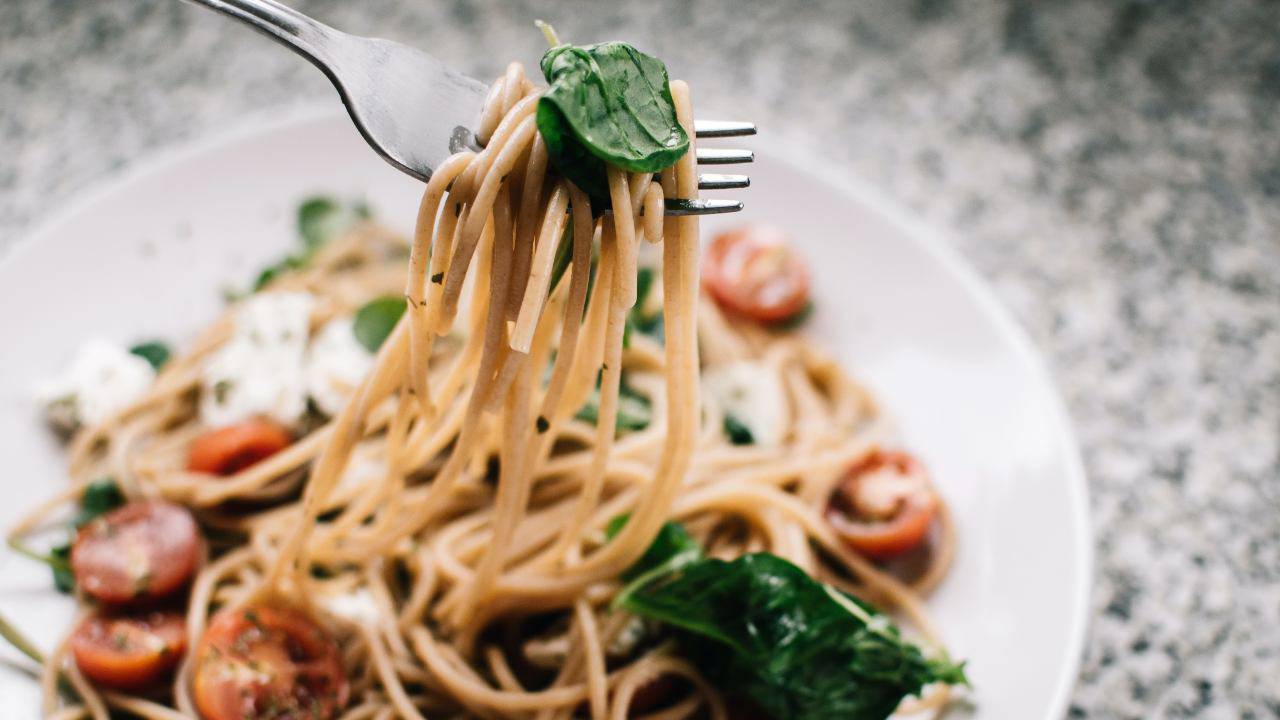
<point x="1111" y="167"/>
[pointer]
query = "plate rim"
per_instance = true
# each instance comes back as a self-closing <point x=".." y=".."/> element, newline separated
<point x="935" y="242"/>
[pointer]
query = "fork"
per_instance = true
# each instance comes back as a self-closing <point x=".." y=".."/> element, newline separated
<point x="415" y="111"/>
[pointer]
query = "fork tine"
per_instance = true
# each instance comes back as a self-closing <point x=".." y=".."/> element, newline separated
<point x="724" y="156"/>
<point x="722" y="128"/>
<point x="716" y="181"/>
<point x="702" y="206"/>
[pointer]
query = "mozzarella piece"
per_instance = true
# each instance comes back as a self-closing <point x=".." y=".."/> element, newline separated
<point x="753" y="394"/>
<point x="259" y="371"/>
<point x="103" y="377"/>
<point x="336" y="363"/>
<point x="357" y="606"/>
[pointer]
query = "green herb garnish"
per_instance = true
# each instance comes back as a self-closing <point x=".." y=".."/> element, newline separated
<point x="794" y="647"/>
<point x="564" y="257"/>
<point x="634" y="409"/>
<point x="99" y="497"/>
<point x="154" y="352"/>
<point x="376" y="319"/>
<point x="671" y="549"/>
<point x="607" y="103"/>
<point x="58" y="559"/>
<point x="737" y="432"/>
<point x="763" y="628"/>
<point x="321" y="218"/>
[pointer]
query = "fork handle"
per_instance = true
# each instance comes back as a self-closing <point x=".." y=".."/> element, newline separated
<point x="307" y="37"/>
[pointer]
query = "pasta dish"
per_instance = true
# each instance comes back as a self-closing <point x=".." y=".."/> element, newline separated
<point x="547" y="458"/>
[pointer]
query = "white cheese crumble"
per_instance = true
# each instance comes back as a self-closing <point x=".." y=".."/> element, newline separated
<point x="335" y="365"/>
<point x="259" y="371"/>
<point x="753" y="394"/>
<point x="357" y="606"/>
<point x="102" y="378"/>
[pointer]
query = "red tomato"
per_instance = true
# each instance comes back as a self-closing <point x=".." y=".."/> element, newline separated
<point x="752" y="271"/>
<point x="144" y="550"/>
<point x="129" y="652"/>
<point x="229" y="449"/>
<point x="267" y="662"/>
<point x="884" y="506"/>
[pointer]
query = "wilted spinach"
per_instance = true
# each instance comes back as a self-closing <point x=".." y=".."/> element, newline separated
<point x="796" y="648"/>
<point x="634" y="409"/>
<point x="737" y="432"/>
<point x="671" y="549"/>
<point x="376" y="319"/>
<point x="99" y="497"/>
<point x="154" y="352"/>
<point x="607" y="103"/>
<point x="320" y="219"/>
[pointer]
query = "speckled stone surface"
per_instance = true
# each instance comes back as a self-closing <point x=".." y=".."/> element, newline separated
<point x="1112" y="167"/>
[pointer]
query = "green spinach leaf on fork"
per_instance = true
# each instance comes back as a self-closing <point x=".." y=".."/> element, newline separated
<point x="607" y="103"/>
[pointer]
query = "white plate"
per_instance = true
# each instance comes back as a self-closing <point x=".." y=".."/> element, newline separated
<point x="147" y="257"/>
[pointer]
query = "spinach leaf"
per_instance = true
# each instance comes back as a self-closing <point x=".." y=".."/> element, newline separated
<point x="58" y="559"/>
<point x="100" y="497"/>
<point x="322" y="218"/>
<point x="634" y="409"/>
<point x="564" y="256"/>
<point x="60" y="563"/>
<point x="154" y="352"/>
<point x="607" y="103"/>
<point x="672" y="548"/>
<point x="278" y="268"/>
<point x="376" y="319"/>
<point x="737" y="432"/>
<point x="794" y="647"/>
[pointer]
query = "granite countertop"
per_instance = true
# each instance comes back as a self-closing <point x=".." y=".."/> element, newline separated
<point x="1112" y="168"/>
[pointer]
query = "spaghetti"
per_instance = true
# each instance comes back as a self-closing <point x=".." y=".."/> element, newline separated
<point x="460" y="496"/>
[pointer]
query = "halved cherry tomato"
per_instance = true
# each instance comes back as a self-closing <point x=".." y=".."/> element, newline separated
<point x="129" y="652"/>
<point x="884" y="506"/>
<point x="752" y="271"/>
<point x="144" y="550"/>
<point x="229" y="449"/>
<point x="268" y="662"/>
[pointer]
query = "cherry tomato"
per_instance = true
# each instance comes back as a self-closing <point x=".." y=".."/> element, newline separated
<point x="752" y="271"/>
<point x="144" y="550"/>
<point x="884" y="506"/>
<point x="229" y="449"/>
<point x="129" y="652"/>
<point x="267" y="662"/>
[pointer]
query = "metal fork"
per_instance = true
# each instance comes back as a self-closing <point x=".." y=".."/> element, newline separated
<point x="415" y="111"/>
